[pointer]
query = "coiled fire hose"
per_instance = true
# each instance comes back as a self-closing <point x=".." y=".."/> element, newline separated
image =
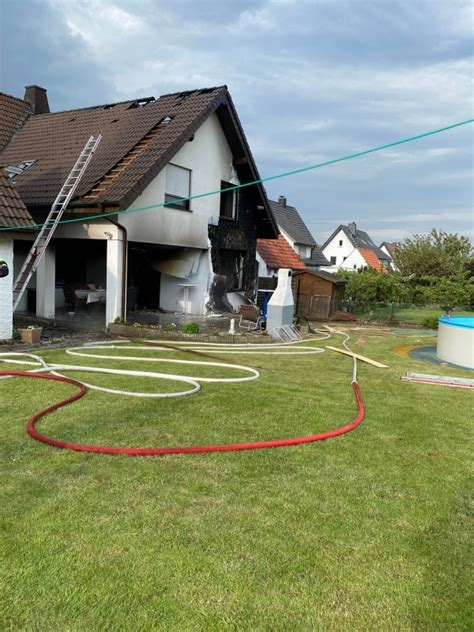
<point x="44" y="370"/>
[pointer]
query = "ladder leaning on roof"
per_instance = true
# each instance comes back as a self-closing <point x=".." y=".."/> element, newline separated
<point x="46" y="232"/>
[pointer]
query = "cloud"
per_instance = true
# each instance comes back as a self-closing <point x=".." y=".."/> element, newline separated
<point x="312" y="80"/>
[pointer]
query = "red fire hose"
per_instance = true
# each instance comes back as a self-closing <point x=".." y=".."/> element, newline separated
<point x="79" y="447"/>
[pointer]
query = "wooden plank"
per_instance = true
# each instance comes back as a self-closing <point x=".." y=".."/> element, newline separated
<point x="359" y="357"/>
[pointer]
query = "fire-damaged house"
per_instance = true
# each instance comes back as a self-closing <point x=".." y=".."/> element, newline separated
<point x="190" y="256"/>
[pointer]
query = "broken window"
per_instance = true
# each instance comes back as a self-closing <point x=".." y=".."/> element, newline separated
<point x="178" y="187"/>
<point x="228" y="206"/>
<point x="232" y="267"/>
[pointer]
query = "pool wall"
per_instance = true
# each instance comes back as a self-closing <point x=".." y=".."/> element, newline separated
<point x="456" y="341"/>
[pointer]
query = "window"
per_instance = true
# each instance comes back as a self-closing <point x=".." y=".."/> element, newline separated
<point x="355" y="266"/>
<point x="333" y="261"/>
<point x="228" y="202"/>
<point x="177" y="187"/>
<point x="340" y="243"/>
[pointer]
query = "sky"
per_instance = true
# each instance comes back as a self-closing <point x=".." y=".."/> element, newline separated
<point x="312" y="80"/>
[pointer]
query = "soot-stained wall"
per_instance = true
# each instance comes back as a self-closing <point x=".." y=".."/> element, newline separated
<point x="237" y="235"/>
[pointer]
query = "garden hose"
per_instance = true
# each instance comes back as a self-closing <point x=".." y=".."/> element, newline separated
<point x="48" y="371"/>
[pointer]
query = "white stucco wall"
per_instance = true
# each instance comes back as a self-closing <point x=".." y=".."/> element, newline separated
<point x="209" y="158"/>
<point x="333" y="249"/>
<point x="6" y="289"/>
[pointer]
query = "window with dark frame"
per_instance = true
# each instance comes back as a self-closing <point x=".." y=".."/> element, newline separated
<point x="340" y="242"/>
<point x="333" y="261"/>
<point x="228" y="207"/>
<point x="177" y="187"/>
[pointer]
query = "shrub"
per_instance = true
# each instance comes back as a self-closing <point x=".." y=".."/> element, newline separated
<point x="191" y="328"/>
<point x="430" y="323"/>
<point x="170" y="327"/>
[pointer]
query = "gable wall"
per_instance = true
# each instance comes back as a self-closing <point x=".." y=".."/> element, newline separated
<point x="334" y="250"/>
<point x="209" y="158"/>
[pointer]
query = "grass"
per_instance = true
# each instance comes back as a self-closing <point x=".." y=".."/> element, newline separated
<point x="415" y="314"/>
<point x="366" y="531"/>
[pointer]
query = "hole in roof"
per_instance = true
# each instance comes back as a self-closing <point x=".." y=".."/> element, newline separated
<point x="165" y="121"/>
<point x="73" y="119"/>
<point x="140" y="103"/>
<point x="114" y="121"/>
<point x="107" y="106"/>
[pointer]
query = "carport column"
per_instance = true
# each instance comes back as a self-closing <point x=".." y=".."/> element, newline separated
<point x="114" y="280"/>
<point x="46" y="284"/>
<point x="6" y="288"/>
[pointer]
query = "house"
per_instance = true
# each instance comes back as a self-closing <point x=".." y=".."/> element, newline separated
<point x="273" y="254"/>
<point x="189" y="256"/>
<point x="13" y="212"/>
<point x="389" y="249"/>
<point x="318" y="294"/>
<point x="350" y="248"/>
<point x="296" y="233"/>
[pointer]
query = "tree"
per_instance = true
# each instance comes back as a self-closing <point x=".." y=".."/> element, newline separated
<point x="436" y="268"/>
<point x="438" y="254"/>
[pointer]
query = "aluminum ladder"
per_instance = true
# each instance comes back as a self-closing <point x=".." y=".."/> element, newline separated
<point x="47" y="230"/>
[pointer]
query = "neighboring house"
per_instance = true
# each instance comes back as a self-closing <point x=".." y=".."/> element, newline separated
<point x="350" y="248"/>
<point x="296" y="233"/>
<point x="152" y="152"/>
<point x="389" y="249"/>
<point x="273" y="254"/>
<point x="12" y="213"/>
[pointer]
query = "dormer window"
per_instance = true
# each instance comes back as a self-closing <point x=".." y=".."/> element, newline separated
<point x="177" y="187"/>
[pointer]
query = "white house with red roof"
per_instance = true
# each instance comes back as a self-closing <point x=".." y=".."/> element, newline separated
<point x="350" y="248"/>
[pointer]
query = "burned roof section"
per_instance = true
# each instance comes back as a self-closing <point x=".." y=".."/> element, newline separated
<point x="55" y="140"/>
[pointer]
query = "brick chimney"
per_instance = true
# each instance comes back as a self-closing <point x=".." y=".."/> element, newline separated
<point x="37" y="98"/>
<point x="353" y="228"/>
<point x="282" y="201"/>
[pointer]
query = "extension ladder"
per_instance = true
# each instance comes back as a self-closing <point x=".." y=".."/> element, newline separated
<point x="46" y="232"/>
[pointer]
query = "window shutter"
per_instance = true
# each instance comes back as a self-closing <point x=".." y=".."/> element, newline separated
<point x="177" y="181"/>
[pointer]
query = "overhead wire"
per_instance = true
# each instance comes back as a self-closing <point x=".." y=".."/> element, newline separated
<point x="285" y="174"/>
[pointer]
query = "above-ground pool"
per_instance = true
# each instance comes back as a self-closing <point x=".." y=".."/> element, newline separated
<point x="456" y="340"/>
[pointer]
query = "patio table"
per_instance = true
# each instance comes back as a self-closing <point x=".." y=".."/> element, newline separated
<point x="92" y="296"/>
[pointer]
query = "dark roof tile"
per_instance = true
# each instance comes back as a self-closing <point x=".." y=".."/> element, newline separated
<point x="12" y="210"/>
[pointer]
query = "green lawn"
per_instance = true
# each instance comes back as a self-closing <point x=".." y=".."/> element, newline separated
<point x="410" y="314"/>
<point x="369" y="531"/>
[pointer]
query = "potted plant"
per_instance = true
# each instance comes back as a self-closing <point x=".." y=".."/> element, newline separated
<point x="31" y="335"/>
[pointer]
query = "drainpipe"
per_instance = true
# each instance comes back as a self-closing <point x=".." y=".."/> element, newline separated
<point x="123" y="311"/>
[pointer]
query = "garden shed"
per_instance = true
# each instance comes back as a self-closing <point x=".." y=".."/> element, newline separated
<point x="318" y="295"/>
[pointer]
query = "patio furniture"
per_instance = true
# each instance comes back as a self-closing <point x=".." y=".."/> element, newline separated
<point x="91" y="296"/>
<point x="72" y="301"/>
<point x="250" y="318"/>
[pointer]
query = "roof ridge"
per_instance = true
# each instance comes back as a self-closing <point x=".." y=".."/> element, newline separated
<point x="10" y="96"/>
<point x="182" y="92"/>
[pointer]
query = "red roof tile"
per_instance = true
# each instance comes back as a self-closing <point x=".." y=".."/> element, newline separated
<point x="371" y="259"/>
<point x="277" y="253"/>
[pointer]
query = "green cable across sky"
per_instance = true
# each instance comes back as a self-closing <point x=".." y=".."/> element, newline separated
<point x="254" y="182"/>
